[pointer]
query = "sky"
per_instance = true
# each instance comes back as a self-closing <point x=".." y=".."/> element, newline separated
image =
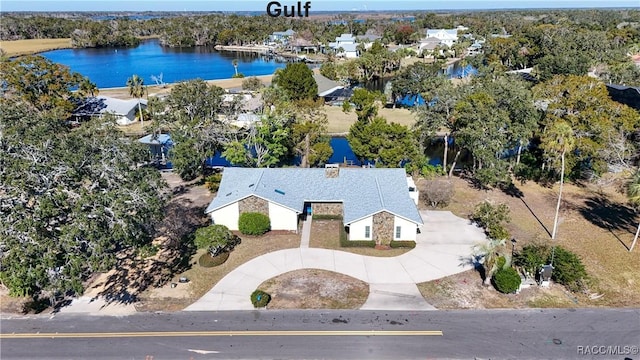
<point x="317" y="5"/>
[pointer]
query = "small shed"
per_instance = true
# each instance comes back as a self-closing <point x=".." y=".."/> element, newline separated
<point x="159" y="146"/>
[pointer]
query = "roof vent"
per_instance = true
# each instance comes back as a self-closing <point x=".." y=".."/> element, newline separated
<point x="279" y="191"/>
<point x="251" y="185"/>
<point x="331" y="170"/>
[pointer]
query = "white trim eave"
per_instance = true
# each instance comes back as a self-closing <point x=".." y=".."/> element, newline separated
<point x="390" y="212"/>
<point x="252" y="194"/>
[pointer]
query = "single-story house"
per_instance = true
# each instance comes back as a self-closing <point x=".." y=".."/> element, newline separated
<point x="125" y="111"/>
<point x="428" y="45"/>
<point x="374" y="204"/>
<point x="325" y="85"/>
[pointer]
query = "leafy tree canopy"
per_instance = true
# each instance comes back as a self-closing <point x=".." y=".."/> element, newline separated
<point x="70" y="200"/>
<point x="297" y="80"/>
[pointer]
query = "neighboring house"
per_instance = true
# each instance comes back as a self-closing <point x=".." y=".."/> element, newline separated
<point x="428" y="45"/>
<point x="325" y="85"/>
<point x="282" y="36"/>
<point x="375" y="204"/>
<point x="446" y="36"/>
<point x="125" y="111"/>
<point x="159" y="146"/>
<point x="348" y="44"/>
<point x="368" y="40"/>
<point x="474" y="49"/>
<point x="299" y="44"/>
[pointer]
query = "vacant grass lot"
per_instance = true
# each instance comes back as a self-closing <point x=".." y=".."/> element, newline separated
<point x="33" y="46"/>
<point x="595" y="223"/>
<point x="340" y="122"/>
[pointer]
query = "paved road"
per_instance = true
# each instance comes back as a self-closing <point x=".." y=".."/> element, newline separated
<point x="269" y="334"/>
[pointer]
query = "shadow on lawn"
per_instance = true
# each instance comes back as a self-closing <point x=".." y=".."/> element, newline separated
<point x="605" y="214"/>
<point x="514" y="191"/>
<point x="134" y="274"/>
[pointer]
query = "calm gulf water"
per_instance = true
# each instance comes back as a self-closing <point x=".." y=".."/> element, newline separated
<point x="111" y="67"/>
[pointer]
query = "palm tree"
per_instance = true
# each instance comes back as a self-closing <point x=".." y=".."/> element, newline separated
<point x="234" y="62"/>
<point x="136" y="89"/>
<point x="558" y="139"/>
<point x="87" y="88"/>
<point x="633" y="191"/>
<point x="490" y="253"/>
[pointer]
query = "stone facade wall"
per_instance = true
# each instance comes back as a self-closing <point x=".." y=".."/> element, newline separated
<point x="326" y="209"/>
<point x="254" y="204"/>
<point x="383" y="228"/>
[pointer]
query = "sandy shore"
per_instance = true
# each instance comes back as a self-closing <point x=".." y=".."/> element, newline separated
<point x="155" y="90"/>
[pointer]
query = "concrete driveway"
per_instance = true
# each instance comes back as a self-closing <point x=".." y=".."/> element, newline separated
<point x="443" y="248"/>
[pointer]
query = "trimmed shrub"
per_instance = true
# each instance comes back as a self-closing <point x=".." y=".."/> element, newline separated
<point x="212" y="182"/>
<point x="326" y="217"/>
<point x="216" y="239"/>
<point x="260" y="299"/>
<point x="506" y="280"/>
<point x="207" y="261"/>
<point x="531" y="258"/>
<point x="252" y="223"/>
<point x="400" y="244"/>
<point x="568" y="269"/>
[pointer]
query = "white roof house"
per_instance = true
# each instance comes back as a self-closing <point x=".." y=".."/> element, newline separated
<point x="374" y="204"/>
<point x="348" y="44"/>
<point x="125" y="111"/>
<point x="446" y="36"/>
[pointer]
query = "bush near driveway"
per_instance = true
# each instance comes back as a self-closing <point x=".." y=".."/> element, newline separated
<point x="506" y="280"/>
<point x="260" y="299"/>
<point x="252" y="223"/>
<point x="216" y="239"/>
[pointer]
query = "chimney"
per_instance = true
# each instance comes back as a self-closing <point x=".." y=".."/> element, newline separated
<point x="331" y="171"/>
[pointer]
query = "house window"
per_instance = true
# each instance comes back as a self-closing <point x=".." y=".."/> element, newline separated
<point x="398" y="232"/>
<point x="367" y="232"/>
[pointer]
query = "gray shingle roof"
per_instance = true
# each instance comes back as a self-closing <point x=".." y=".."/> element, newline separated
<point x="363" y="192"/>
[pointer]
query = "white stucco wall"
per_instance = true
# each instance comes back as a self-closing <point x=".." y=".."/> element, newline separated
<point x="356" y="229"/>
<point x="282" y="218"/>
<point x="407" y="229"/>
<point x="350" y="54"/>
<point x="227" y="216"/>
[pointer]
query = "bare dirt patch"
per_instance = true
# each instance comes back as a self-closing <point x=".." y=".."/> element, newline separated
<point x="315" y="289"/>
<point x="595" y="223"/>
<point x="466" y="291"/>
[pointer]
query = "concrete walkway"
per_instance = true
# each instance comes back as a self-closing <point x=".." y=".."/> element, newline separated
<point x="306" y="233"/>
<point x="443" y="248"/>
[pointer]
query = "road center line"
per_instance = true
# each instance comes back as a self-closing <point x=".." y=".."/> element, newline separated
<point x="221" y="333"/>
